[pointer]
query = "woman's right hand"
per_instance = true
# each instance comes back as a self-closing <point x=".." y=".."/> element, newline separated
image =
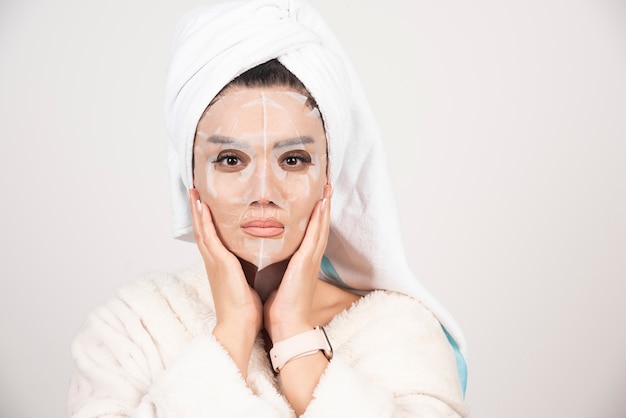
<point x="238" y="308"/>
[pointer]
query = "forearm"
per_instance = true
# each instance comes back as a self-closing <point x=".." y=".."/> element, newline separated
<point x="238" y="342"/>
<point x="299" y="378"/>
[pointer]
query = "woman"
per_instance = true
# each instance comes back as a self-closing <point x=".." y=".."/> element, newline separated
<point x="265" y="113"/>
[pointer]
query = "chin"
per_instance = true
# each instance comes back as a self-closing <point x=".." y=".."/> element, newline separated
<point x="263" y="252"/>
<point x="261" y="261"/>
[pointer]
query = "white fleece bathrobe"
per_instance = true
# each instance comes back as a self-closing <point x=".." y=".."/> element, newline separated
<point x="149" y="352"/>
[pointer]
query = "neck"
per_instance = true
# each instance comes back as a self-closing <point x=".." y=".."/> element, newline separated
<point x="266" y="280"/>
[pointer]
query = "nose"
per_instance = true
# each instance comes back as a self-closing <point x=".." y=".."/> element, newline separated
<point x="262" y="202"/>
<point x="264" y="186"/>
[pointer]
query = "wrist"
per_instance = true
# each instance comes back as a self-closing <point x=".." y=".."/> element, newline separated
<point x="283" y="331"/>
<point x="304" y="344"/>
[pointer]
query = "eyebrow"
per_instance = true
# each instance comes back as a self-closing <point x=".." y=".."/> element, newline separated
<point x="294" y="141"/>
<point x="219" y="139"/>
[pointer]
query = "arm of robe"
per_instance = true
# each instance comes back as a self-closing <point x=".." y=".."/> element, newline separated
<point x="392" y="359"/>
<point x="137" y="356"/>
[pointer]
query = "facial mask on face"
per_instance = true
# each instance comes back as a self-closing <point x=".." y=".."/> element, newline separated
<point x="260" y="164"/>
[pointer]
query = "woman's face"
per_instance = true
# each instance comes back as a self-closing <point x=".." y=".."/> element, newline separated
<point x="260" y="165"/>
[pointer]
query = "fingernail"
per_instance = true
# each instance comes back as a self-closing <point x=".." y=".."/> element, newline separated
<point x="199" y="205"/>
<point x="323" y="205"/>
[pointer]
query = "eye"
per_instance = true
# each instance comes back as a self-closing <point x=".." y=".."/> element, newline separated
<point x="295" y="160"/>
<point x="230" y="161"/>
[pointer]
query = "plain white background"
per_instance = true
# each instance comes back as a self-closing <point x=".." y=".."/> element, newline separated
<point x="505" y="124"/>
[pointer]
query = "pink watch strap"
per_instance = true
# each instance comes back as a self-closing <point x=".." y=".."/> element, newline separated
<point x="300" y="345"/>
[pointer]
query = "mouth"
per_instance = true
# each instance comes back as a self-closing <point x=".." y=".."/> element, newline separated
<point x="263" y="228"/>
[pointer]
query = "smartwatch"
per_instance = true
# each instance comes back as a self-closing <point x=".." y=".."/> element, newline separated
<point x="300" y="345"/>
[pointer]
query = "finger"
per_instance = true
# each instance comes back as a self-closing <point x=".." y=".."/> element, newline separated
<point x="316" y="235"/>
<point x="194" y="206"/>
<point x="323" y="226"/>
<point x="205" y="232"/>
<point x="320" y="224"/>
<point x="325" y="222"/>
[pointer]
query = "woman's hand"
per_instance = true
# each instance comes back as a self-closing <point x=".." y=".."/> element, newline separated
<point x="288" y="311"/>
<point x="238" y="307"/>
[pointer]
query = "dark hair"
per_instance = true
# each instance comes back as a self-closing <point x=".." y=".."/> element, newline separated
<point x="270" y="74"/>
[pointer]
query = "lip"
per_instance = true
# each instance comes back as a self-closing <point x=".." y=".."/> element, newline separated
<point x="263" y="228"/>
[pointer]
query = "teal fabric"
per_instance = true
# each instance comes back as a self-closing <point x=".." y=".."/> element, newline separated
<point x="329" y="270"/>
<point x="461" y="365"/>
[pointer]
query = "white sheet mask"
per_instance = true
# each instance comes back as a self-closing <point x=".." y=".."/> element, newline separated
<point x="260" y="165"/>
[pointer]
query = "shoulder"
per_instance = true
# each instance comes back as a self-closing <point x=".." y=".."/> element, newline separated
<point x="162" y="294"/>
<point x="391" y="320"/>
<point x="160" y="310"/>
<point x="395" y="340"/>
<point x="188" y="287"/>
<point x="392" y="328"/>
<point x="384" y="308"/>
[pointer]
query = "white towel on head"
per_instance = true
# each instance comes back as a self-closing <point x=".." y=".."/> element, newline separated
<point x="214" y="44"/>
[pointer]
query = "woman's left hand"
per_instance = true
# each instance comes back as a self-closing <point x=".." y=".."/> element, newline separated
<point x="288" y="310"/>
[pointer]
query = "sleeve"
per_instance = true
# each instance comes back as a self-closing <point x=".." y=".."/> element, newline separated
<point x="205" y="382"/>
<point x="122" y="369"/>
<point x="392" y="359"/>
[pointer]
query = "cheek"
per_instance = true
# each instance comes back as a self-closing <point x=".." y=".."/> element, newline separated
<point x="226" y="194"/>
<point x="302" y="193"/>
<point x="310" y="186"/>
<point x="296" y="187"/>
<point x="233" y="189"/>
